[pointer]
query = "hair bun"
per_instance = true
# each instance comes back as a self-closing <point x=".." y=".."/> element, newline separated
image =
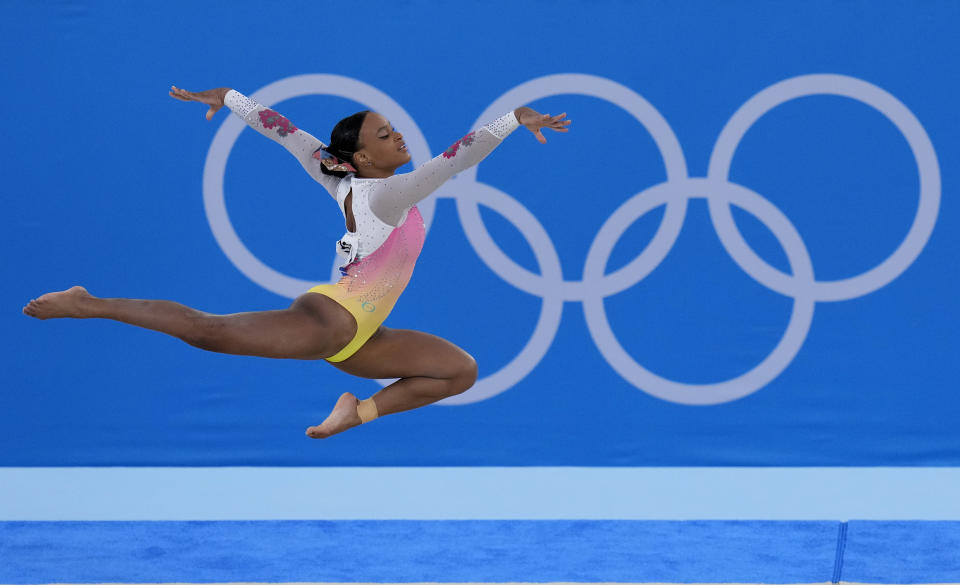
<point x="344" y="140"/>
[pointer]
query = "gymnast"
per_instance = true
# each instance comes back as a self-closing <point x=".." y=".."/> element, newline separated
<point x="340" y="323"/>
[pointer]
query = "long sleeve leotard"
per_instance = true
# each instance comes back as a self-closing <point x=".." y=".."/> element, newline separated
<point x="380" y="254"/>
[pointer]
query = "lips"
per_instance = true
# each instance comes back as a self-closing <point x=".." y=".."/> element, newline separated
<point x="403" y="147"/>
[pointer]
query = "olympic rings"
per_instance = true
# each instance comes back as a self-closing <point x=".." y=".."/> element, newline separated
<point x="674" y="193"/>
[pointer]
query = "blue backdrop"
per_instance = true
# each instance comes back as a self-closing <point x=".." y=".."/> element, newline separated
<point x="829" y="127"/>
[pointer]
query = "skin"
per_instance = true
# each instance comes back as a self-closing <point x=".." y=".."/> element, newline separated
<point x="314" y="326"/>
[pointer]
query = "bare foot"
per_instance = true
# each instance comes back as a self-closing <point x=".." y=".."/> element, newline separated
<point x="68" y="303"/>
<point x="344" y="416"/>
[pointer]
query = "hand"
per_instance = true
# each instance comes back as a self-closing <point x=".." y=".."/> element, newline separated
<point x="211" y="97"/>
<point x="535" y="122"/>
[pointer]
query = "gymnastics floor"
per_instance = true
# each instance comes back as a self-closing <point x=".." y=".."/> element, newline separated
<point x="479" y="551"/>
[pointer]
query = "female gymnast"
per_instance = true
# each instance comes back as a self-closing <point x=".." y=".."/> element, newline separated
<point x="340" y="323"/>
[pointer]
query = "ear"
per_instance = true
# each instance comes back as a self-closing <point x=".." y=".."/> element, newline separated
<point x="360" y="158"/>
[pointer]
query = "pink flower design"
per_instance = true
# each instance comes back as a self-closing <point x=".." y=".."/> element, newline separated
<point x="452" y="151"/>
<point x="465" y="141"/>
<point x="271" y="119"/>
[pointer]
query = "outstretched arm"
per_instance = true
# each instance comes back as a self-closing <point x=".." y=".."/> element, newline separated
<point x="274" y="126"/>
<point x="401" y="192"/>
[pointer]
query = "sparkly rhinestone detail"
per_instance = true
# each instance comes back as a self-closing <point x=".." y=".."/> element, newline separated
<point x="239" y="103"/>
<point x="504" y="125"/>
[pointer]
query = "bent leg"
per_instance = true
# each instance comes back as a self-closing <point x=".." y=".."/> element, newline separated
<point x="313" y="327"/>
<point x="430" y="369"/>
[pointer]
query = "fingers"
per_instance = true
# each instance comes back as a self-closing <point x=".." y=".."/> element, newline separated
<point x="558" y="122"/>
<point x="555" y="122"/>
<point x="181" y="94"/>
<point x="536" y="122"/>
<point x="188" y="96"/>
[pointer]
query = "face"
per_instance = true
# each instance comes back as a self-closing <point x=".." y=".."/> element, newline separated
<point x="383" y="147"/>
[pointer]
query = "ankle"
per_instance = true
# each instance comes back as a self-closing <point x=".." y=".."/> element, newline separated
<point x="91" y="307"/>
<point x="367" y="410"/>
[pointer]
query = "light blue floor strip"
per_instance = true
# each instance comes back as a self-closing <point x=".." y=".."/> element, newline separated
<point x="502" y="493"/>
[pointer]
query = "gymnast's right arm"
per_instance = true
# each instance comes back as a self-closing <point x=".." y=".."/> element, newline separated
<point x="274" y="126"/>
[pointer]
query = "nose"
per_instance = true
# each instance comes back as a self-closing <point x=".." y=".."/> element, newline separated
<point x="397" y="136"/>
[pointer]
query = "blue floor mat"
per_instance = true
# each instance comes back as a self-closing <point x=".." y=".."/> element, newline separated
<point x="479" y="551"/>
<point x="902" y="552"/>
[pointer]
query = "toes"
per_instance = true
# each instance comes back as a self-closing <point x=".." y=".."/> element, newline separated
<point x="314" y="432"/>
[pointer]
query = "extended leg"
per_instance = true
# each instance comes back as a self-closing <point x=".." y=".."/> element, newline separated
<point x="429" y="368"/>
<point x="313" y="327"/>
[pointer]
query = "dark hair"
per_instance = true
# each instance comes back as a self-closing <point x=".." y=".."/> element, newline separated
<point x="345" y="141"/>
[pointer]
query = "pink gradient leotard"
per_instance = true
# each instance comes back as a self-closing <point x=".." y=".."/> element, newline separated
<point x="380" y="254"/>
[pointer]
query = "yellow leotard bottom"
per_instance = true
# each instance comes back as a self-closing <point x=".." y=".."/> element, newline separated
<point x="369" y="318"/>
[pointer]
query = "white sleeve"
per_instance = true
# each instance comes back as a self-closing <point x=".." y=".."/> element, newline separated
<point x="393" y="197"/>
<point x="274" y="126"/>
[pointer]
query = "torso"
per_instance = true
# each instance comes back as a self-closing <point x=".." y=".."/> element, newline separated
<point x="365" y="231"/>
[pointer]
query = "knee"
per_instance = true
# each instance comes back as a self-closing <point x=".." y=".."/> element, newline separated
<point x="465" y="376"/>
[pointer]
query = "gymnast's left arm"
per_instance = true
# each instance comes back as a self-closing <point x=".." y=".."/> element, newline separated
<point x="401" y="192"/>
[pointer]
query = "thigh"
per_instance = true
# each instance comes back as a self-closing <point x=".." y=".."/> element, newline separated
<point x="403" y="353"/>
<point x="313" y="327"/>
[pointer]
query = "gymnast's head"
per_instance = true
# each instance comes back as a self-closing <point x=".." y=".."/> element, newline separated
<point x="368" y="142"/>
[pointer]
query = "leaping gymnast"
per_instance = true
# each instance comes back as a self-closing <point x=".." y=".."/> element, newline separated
<point x="340" y="323"/>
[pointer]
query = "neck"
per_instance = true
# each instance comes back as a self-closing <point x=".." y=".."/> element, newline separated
<point x="375" y="173"/>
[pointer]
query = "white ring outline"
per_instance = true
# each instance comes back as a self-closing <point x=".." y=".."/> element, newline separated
<point x="670" y="151"/>
<point x="551" y="309"/>
<point x="866" y="93"/>
<point x="549" y="285"/>
<point x="216" y="165"/>
<point x="700" y="394"/>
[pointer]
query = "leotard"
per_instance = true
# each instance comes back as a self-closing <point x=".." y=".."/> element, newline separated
<point x="380" y="254"/>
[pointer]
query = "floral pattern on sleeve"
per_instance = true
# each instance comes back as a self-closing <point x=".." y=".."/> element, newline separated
<point x="465" y="141"/>
<point x="271" y="119"/>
